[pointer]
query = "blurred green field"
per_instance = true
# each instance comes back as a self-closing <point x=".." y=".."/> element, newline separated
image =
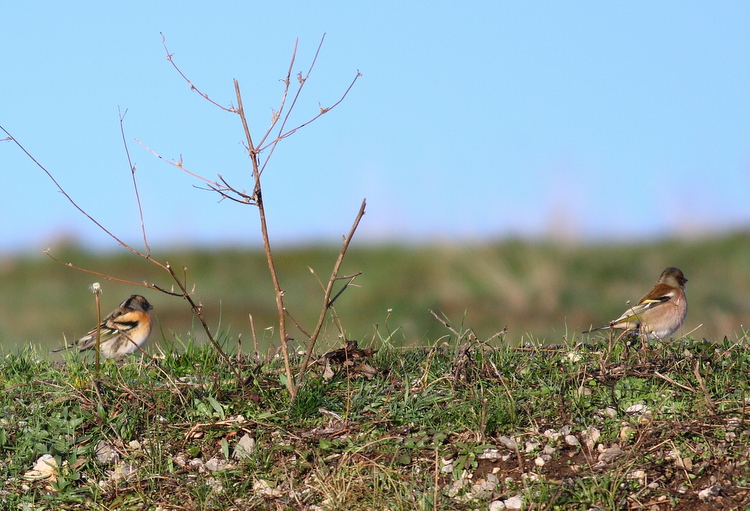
<point x="541" y="290"/>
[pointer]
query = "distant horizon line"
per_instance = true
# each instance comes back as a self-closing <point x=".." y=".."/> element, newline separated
<point x="78" y="243"/>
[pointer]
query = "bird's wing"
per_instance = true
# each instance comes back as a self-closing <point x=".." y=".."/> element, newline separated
<point x="118" y="322"/>
<point x="633" y="314"/>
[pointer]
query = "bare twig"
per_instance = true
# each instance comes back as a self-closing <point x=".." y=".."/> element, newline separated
<point x="327" y="302"/>
<point x="108" y="277"/>
<point x="135" y="184"/>
<point x="350" y="278"/>
<point x="704" y="390"/>
<point x="192" y="87"/>
<point x="70" y="199"/>
<point x="165" y="266"/>
<point x="296" y="323"/>
<point x="447" y="325"/>
<point x="287" y="82"/>
<point x="673" y="382"/>
<point x="267" y="242"/>
<point x="227" y="191"/>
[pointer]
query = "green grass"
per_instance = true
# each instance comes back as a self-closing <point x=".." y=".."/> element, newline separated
<point x="538" y="290"/>
<point x="434" y="429"/>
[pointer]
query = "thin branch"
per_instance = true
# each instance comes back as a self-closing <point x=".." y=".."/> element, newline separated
<point x="327" y="302"/>
<point x="322" y="112"/>
<point x="673" y="382"/>
<point x="258" y="196"/>
<point x="70" y="199"/>
<point x="302" y="81"/>
<point x="177" y="164"/>
<point x="192" y="87"/>
<point x="287" y="81"/>
<point x="447" y="325"/>
<point x="182" y="285"/>
<point x="299" y="327"/>
<point x="341" y="291"/>
<point x="135" y="183"/>
<point x="105" y="276"/>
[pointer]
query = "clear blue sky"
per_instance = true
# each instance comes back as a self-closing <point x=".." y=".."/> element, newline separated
<point x="593" y="120"/>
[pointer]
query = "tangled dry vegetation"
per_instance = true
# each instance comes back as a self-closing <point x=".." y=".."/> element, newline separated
<point x="459" y="425"/>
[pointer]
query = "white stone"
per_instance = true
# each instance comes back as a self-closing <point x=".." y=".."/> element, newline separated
<point x="637" y="409"/>
<point x="572" y="440"/>
<point x="532" y="446"/>
<point x="508" y="442"/>
<point x="490" y="454"/>
<point x="513" y="503"/>
<point x="552" y="434"/>
<point x="710" y="493"/>
<point x="105" y="453"/>
<point x="245" y="447"/>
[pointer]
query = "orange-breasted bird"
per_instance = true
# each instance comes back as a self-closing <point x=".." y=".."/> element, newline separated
<point x="123" y="331"/>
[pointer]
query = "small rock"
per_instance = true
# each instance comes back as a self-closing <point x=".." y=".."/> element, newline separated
<point x="638" y="409"/>
<point x="532" y="446"/>
<point x="244" y="448"/>
<point x="216" y="464"/>
<point x="684" y="463"/>
<point x="611" y="453"/>
<point x="610" y="412"/>
<point x="496" y="505"/>
<point x="599" y="466"/>
<point x="513" y="503"/>
<point x="627" y="433"/>
<point x="490" y="454"/>
<point x="710" y="493"/>
<point x="264" y="488"/>
<point x="508" y="442"/>
<point x="638" y="475"/>
<point x="105" y="453"/>
<point x="44" y="468"/>
<point x="590" y="436"/>
<point x="197" y="464"/>
<point x="552" y="434"/>
<point x="572" y="440"/>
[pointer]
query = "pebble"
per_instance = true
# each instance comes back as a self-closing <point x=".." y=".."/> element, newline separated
<point x="508" y="442"/>
<point x="513" y="503"/>
<point x="710" y="493"/>
<point x="572" y="440"/>
<point x="245" y="447"/>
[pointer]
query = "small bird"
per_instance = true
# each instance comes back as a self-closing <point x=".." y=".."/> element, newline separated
<point x="660" y="312"/>
<point x="123" y="331"/>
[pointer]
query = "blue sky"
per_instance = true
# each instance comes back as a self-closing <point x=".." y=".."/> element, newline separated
<point x="588" y="120"/>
